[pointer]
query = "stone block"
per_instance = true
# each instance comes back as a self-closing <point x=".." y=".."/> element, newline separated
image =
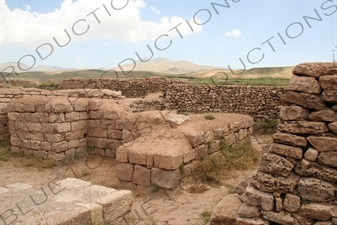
<point x="285" y="150"/>
<point x="328" y="158"/>
<point x="74" y="143"/>
<point x="329" y="96"/>
<point x="74" y="135"/>
<point x="141" y="176"/>
<point x="311" y="154"/>
<point x="60" y="127"/>
<point x="326" y="115"/>
<point x="54" y="138"/>
<point x="189" y="156"/>
<point x="149" y="161"/>
<point x="56" y="156"/>
<point x="60" y="146"/>
<point x="313" y="69"/>
<point x="312" y="169"/>
<point x="333" y="127"/>
<point x="275" y="164"/>
<point x="293" y="113"/>
<point x="72" y="116"/>
<point x="137" y="158"/>
<point x="111" y="114"/>
<point x="304" y="100"/>
<point x="113" y="144"/>
<point x="115" y="134"/>
<point x="94" y="104"/>
<point x="329" y="82"/>
<point x="45" y="146"/>
<point x="94" y="123"/>
<point x="316" y="211"/>
<point x="303" y="127"/>
<point x="255" y="197"/>
<point x="289" y="139"/>
<point x="164" y="178"/>
<point x="195" y="139"/>
<point x="291" y="203"/>
<point x="201" y="151"/>
<point x="269" y="183"/>
<point x="96" y="114"/>
<point x="304" y="84"/>
<point x="315" y="190"/>
<point x="97" y="132"/>
<point x="323" y="144"/>
<point x="125" y="171"/>
<point x="78" y="125"/>
<point x="247" y="211"/>
<point x="168" y="162"/>
<point x="282" y="217"/>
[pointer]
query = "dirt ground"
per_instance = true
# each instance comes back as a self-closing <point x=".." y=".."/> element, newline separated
<point x="151" y="205"/>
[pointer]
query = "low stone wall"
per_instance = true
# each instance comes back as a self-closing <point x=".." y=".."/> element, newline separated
<point x="296" y="181"/>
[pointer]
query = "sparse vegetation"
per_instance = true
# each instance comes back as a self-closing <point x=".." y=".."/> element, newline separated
<point x="154" y="188"/>
<point x="209" y="117"/>
<point x="206" y="216"/>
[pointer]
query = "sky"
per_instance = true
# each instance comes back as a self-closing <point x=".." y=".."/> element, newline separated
<point x="105" y="33"/>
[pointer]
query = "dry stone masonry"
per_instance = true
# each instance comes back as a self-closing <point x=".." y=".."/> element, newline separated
<point x="297" y="179"/>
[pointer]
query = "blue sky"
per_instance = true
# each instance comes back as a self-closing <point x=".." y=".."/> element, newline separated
<point x="236" y="30"/>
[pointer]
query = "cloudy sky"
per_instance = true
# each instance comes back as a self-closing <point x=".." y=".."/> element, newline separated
<point x="103" y="33"/>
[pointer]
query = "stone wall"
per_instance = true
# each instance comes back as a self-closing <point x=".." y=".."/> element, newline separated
<point x="256" y="101"/>
<point x="297" y="179"/>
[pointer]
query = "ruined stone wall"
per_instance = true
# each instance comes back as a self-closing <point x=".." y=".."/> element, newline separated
<point x="297" y="179"/>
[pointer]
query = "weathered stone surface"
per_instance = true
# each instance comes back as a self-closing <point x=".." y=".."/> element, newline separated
<point x="329" y="82"/>
<point x="168" y="162"/>
<point x="249" y="221"/>
<point x="291" y="203"/>
<point x="328" y="158"/>
<point x="323" y="115"/>
<point x="316" y="211"/>
<point x="313" y="69"/>
<point x="293" y="113"/>
<point x="311" y="154"/>
<point x="255" y="197"/>
<point x="305" y="100"/>
<point x="141" y="175"/>
<point x="329" y="96"/>
<point x="282" y="217"/>
<point x="275" y="164"/>
<point x="195" y="139"/>
<point x="305" y="84"/>
<point x="303" y="127"/>
<point x="323" y="144"/>
<point x="278" y="204"/>
<point x="226" y="211"/>
<point x="125" y="171"/>
<point x="333" y="127"/>
<point x="241" y="188"/>
<point x="137" y="157"/>
<point x="247" y="211"/>
<point x="311" y="169"/>
<point x="294" y="152"/>
<point x="268" y="183"/>
<point x="289" y="139"/>
<point x="312" y="189"/>
<point x="176" y="120"/>
<point x="164" y="178"/>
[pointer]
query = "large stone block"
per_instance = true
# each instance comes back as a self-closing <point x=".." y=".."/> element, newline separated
<point x="305" y="100"/>
<point x="329" y="82"/>
<point x="72" y="116"/>
<point x="255" y="197"/>
<point x="58" y="105"/>
<point x="316" y="211"/>
<point x="115" y="134"/>
<point x="111" y="114"/>
<point x="328" y="158"/>
<point x="311" y="169"/>
<point x="79" y="125"/>
<point x="226" y="211"/>
<point x="275" y="164"/>
<point x="247" y="211"/>
<point x="323" y="144"/>
<point x="333" y="127"/>
<point x="164" y="178"/>
<point x="289" y="139"/>
<point x="315" y="190"/>
<point x="313" y="69"/>
<point x="293" y="113"/>
<point x="269" y="183"/>
<point x="137" y="157"/>
<point x="60" y="128"/>
<point x="195" y="139"/>
<point x="60" y="147"/>
<point x="168" y="162"/>
<point x="303" y="127"/>
<point x="125" y="172"/>
<point x="292" y="203"/>
<point x="327" y="115"/>
<point x="201" y="151"/>
<point x="97" y="132"/>
<point x="282" y="217"/>
<point x="304" y="84"/>
<point x="142" y="176"/>
<point x="294" y="152"/>
<point x="329" y="96"/>
<point x="311" y="154"/>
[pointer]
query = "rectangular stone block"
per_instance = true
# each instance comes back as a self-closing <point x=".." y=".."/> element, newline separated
<point x="96" y="114"/>
<point x="304" y="84"/>
<point x="97" y="132"/>
<point x="201" y="151"/>
<point x="289" y="139"/>
<point x="164" y="178"/>
<point x="125" y="172"/>
<point x="137" y="158"/>
<point x="72" y="116"/>
<point x="56" y="156"/>
<point x="60" y="147"/>
<point x="275" y="164"/>
<point x="312" y="169"/>
<point x="269" y="183"/>
<point x="122" y="154"/>
<point x="294" y="152"/>
<point x="141" y="176"/>
<point x="305" y="100"/>
<point x="303" y="127"/>
<point x="94" y="123"/>
<point x="60" y="127"/>
<point x="168" y="162"/>
<point x="111" y="114"/>
<point x="78" y="125"/>
<point x="54" y="138"/>
<point x="115" y="134"/>
<point x="323" y="144"/>
<point x="288" y="113"/>
<point x="329" y="82"/>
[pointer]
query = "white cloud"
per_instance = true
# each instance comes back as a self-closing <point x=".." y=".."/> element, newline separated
<point x="32" y="29"/>
<point x="27" y="7"/>
<point x="154" y="9"/>
<point x="234" y="33"/>
<point x="107" y="44"/>
<point x="78" y="61"/>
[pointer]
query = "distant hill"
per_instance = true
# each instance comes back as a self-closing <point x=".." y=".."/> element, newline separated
<point x="50" y="68"/>
<point x="162" y="65"/>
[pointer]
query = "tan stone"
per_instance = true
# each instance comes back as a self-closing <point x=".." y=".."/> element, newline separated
<point x="74" y="135"/>
<point x="137" y="158"/>
<point x="323" y="144"/>
<point x="248" y="221"/>
<point x="72" y="116"/>
<point x="58" y="105"/>
<point x="313" y="69"/>
<point x="201" y="151"/>
<point x="96" y="114"/>
<point x="329" y="82"/>
<point x="226" y="211"/>
<point x="333" y="127"/>
<point x="94" y="104"/>
<point x="293" y="113"/>
<point x="53" y="138"/>
<point x="111" y="115"/>
<point x="247" y="211"/>
<point x="304" y="84"/>
<point x="122" y="154"/>
<point x="78" y="125"/>
<point x="164" y="178"/>
<point x="60" y="127"/>
<point x="289" y="139"/>
<point x="74" y="143"/>
<point x="168" y="162"/>
<point x="268" y="183"/>
<point x="115" y="134"/>
<point x="278" y="204"/>
<point x="275" y="164"/>
<point x="255" y="197"/>
<point x="328" y="158"/>
<point x="141" y="175"/>
<point x="315" y="190"/>
<point x="37" y="136"/>
<point x="305" y="100"/>
<point x="311" y="154"/>
<point x="149" y="161"/>
<point x="282" y="217"/>
<point x="292" y="203"/>
<point x="94" y="123"/>
<point x="60" y="147"/>
<point x="36" y="145"/>
<point x="312" y="169"/>
<point x="323" y="115"/>
<point x="125" y="171"/>
<point x="303" y="127"/>
<point x="195" y="139"/>
<point x="316" y="211"/>
<point x="329" y="96"/>
<point x="294" y="152"/>
<point x="189" y="156"/>
<point x="56" y="156"/>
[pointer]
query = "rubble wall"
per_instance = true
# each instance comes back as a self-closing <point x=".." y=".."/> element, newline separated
<point x="297" y="179"/>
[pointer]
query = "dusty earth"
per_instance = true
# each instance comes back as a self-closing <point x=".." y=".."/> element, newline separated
<point x="151" y="205"/>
